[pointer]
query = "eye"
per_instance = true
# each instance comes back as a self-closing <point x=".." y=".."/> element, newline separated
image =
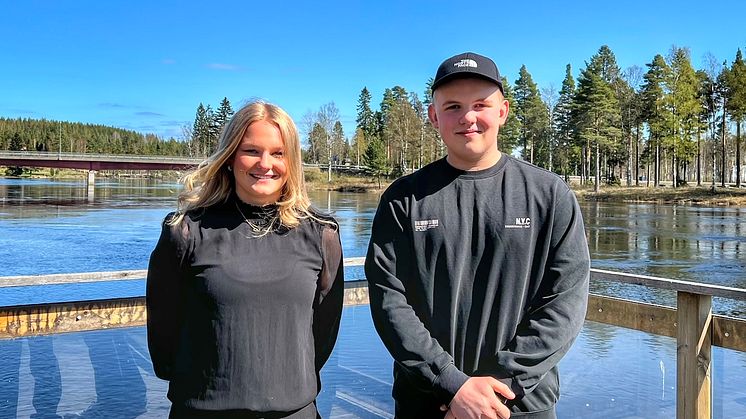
<point x="250" y="151"/>
<point x="278" y="154"/>
<point x="453" y="107"/>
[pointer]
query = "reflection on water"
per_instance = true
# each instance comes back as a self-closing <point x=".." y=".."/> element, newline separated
<point x="610" y="373"/>
<point x="680" y="242"/>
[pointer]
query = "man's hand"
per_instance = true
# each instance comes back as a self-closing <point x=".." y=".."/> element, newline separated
<point x="478" y="398"/>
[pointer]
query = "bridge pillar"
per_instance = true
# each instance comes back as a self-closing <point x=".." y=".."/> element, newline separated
<point x="91" y="183"/>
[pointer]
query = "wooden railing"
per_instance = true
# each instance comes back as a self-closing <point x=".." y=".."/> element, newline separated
<point x="692" y="323"/>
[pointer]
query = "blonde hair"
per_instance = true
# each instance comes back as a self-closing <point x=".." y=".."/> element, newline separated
<point x="212" y="183"/>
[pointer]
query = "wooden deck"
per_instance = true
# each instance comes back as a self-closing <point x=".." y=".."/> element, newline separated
<point x="691" y="322"/>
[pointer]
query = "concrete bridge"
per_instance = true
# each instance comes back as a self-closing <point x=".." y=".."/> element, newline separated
<point x="96" y="162"/>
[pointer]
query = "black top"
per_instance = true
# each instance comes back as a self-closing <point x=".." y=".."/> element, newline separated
<point x="477" y="273"/>
<point x="241" y="321"/>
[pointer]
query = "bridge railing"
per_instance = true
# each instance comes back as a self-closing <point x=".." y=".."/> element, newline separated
<point x="691" y="322"/>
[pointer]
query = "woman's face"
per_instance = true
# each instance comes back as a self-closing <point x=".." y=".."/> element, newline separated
<point x="259" y="165"/>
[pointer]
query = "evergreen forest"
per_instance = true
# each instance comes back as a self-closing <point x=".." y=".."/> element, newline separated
<point x="664" y="121"/>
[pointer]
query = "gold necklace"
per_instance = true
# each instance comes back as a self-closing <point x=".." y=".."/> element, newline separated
<point x="261" y="227"/>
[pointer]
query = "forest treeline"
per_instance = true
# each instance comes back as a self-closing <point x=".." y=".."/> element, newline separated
<point x="663" y="122"/>
<point x="666" y="121"/>
<point x="24" y="134"/>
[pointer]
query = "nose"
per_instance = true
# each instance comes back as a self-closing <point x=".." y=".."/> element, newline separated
<point x="469" y="117"/>
<point x="265" y="162"/>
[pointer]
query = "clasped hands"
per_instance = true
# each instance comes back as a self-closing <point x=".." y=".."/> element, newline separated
<point x="480" y="397"/>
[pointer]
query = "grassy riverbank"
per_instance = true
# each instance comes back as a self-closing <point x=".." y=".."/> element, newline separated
<point x="685" y="195"/>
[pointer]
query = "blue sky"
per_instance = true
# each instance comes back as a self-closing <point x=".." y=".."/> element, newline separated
<point x="146" y="65"/>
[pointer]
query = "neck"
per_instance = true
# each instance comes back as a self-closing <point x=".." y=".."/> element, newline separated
<point x="256" y="202"/>
<point x="485" y="162"/>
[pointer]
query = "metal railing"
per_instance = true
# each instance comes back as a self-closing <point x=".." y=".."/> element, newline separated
<point x="692" y="323"/>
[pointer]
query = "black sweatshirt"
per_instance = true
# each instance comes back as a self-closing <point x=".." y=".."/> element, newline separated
<point x="240" y="322"/>
<point x="477" y="273"/>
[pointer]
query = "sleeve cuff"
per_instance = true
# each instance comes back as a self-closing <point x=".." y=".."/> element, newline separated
<point x="448" y="383"/>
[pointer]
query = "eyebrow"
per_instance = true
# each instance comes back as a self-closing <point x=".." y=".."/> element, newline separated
<point x="457" y="102"/>
<point x="254" y="145"/>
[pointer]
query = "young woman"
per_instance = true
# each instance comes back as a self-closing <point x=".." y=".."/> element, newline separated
<point x="245" y="285"/>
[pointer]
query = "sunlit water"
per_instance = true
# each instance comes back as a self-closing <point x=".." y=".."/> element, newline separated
<point x="55" y="227"/>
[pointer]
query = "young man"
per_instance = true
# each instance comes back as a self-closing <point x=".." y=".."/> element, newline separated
<point x="478" y="265"/>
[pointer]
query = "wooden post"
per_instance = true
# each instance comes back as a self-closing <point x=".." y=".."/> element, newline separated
<point x="693" y="389"/>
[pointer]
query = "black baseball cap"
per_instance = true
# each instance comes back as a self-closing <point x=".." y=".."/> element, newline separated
<point x="468" y="64"/>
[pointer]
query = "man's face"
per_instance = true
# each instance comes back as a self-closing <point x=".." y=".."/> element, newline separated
<point x="468" y="114"/>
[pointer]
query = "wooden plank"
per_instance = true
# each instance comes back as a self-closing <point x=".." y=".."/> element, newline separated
<point x="670" y="284"/>
<point x="57" y="279"/>
<point x="42" y="319"/>
<point x="73" y="278"/>
<point x="693" y="356"/>
<point x="651" y="318"/>
<point x="596" y="274"/>
<point x="729" y="333"/>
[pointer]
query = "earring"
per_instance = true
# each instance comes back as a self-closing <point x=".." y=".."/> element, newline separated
<point x="230" y="168"/>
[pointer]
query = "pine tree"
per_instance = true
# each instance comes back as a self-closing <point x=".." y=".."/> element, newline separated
<point x="723" y="95"/>
<point x="366" y="124"/>
<point x="654" y="109"/>
<point x="387" y="103"/>
<point x="510" y="133"/>
<point x="201" y="130"/>
<point x="532" y="114"/>
<point x="375" y="159"/>
<point x="683" y="109"/>
<point x="735" y="83"/>
<point x="365" y="117"/>
<point x="563" y="123"/>
<point x="631" y="116"/>
<point x="596" y="112"/>
<point x="223" y="114"/>
<point x="16" y="143"/>
<point x="317" y="138"/>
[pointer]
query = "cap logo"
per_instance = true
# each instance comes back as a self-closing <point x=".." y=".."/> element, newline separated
<point x="466" y="63"/>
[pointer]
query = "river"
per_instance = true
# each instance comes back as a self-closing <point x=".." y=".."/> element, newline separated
<point x="50" y="226"/>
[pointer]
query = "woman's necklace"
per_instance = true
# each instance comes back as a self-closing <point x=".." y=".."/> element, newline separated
<point x="258" y="226"/>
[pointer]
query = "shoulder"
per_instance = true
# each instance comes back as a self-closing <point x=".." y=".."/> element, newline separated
<point x="321" y="219"/>
<point x="193" y="219"/>
<point x="537" y="180"/>
<point x="425" y="179"/>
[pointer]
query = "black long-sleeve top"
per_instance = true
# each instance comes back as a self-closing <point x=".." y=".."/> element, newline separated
<point x="480" y="273"/>
<point x="238" y="321"/>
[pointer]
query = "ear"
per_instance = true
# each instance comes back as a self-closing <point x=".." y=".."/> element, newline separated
<point x="432" y="115"/>
<point x="504" y="109"/>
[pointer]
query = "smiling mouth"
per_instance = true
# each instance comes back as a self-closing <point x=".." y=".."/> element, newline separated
<point x="262" y="177"/>
<point x="471" y="131"/>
